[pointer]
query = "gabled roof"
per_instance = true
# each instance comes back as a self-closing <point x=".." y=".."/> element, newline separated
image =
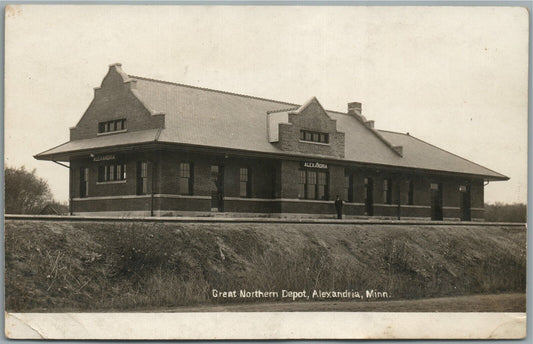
<point x="205" y="117"/>
<point x="423" y="155"/>
<point x="306" y="104"/>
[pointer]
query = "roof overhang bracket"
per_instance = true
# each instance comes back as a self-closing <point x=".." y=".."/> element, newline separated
<point x="67" y="166"/>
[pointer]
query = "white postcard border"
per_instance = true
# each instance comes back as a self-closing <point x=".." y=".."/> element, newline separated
<point x="265" y="325"/>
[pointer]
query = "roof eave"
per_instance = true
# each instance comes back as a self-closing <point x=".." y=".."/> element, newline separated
<point x="497" y="178"/>
<point x="66" y="156"/>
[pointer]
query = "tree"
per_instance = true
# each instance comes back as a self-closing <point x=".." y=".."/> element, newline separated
<point x="25" y="192"/>
<point x="500" y="212"/>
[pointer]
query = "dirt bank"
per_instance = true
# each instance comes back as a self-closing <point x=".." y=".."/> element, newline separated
<point x="102" y="266"/>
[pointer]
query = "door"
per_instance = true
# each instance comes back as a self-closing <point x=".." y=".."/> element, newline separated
<point x="350" y="188"/>
<point x="142" y="178"/>
<point x="84" y="182"/>
<point x="465" y="202"/>
<point x="274" y="182"/>
<point x="369" y="197"/>
<point x="217" y="193"/>
<point x="436" y="201"/>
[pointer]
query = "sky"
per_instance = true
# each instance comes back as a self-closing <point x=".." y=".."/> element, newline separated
<point x="455" y="77"/>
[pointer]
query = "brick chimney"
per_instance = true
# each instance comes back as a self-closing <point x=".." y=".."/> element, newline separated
<point x="355" y="108"/>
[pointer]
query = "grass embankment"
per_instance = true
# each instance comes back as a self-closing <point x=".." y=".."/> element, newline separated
<point x="470" y="303"/>
<point x="102" y="266"/>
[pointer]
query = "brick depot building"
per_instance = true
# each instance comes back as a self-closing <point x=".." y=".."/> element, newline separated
<point x="151" y="147"/>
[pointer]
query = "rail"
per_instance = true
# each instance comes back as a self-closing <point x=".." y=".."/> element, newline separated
<point x="185" y="219"/>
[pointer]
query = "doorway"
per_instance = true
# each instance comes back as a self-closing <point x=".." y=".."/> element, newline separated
<point x="436" y="201"/>
<point x="465" y="202"/>
<point x="350" y="188"/>
<point x="84" y="182"/>
<point x="217" y="193"/>
<point x="369" y="196"/>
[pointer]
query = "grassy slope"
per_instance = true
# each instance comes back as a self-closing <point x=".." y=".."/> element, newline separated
<point x="57" y="266"/>
<point x="470" y="303"/>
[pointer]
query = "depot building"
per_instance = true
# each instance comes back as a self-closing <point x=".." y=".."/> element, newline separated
<point x="150" y="147"/>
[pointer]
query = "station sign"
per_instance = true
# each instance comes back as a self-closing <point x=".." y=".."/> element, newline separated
<point x="104" y="157"/>
<point x="314" y="164"/>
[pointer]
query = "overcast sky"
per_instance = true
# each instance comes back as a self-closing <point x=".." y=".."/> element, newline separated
<point x="455" y="77"/>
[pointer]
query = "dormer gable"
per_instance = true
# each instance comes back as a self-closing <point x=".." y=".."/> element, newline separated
<point x="313" y="116"/>
<point x="116" y="108"/>
<point x="307" y="129"/>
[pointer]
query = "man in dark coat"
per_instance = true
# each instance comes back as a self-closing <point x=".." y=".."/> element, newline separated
<point x="338" y="207"/>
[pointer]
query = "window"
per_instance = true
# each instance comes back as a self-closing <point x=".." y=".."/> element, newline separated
<point x="121" y="172"/>
<point x="411" y="194"/>
<point x="367" y="182"/>
<point x="111" y="169"/>
<point x="301" y="184"/>
<point x="312" y="184"/>
<point x="387" y="191"/>
<point x="369" y="196"/>
<point x="186" y="178"/>
<point x="84" y="182"/>
<point x="245" y="182"/>
<point x="349" y="185"/>
<point x="214" y="171"/>
<point x="110" y="126"/>
<point x="321" y="185"/>
<point x="313" y="136"/>
<point x="111" y="172"/>
<point x="142" y="178"/>
<point x="217" y="178"/>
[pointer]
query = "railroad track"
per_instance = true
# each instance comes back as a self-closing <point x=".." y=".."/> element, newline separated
<point x="214" y="219"/>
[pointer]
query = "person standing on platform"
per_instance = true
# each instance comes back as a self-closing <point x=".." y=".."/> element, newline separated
<point x="338" y="207"/>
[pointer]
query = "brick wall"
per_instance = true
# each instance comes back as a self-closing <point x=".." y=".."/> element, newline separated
<point x="336" y="181"/>
<point x="270" y="179"/>
<point x="115" y="100"/>
<point x="115" y="188"/>
<point x="311" y="207"/>
<point x="182" y="204"/>
<point x="289" y="178"/>
<point x="312" y="118"/>
<point x="422" y="195"/>
<point x="248" y="206"/>
<point x="261" y="177"/>
<point x="476" y="189"/>
<point x="103" y="205"/>
<point x="262" y="174"/>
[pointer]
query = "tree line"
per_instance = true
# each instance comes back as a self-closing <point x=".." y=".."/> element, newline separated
<point x="501" y="212"/>
<point x="27" y="193"/>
